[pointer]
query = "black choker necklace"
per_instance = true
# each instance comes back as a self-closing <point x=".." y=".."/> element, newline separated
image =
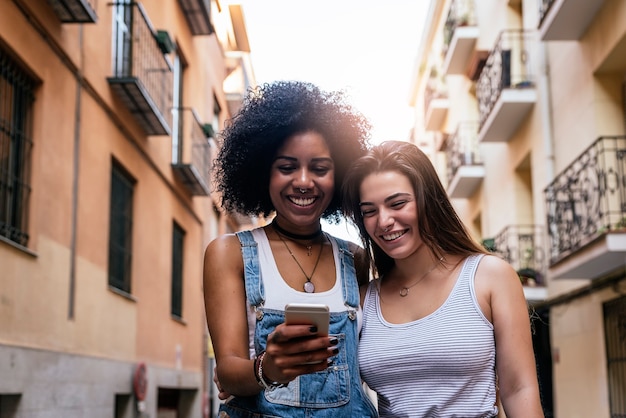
<point x="291" y="235"/>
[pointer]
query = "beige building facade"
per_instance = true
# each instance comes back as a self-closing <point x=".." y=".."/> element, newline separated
<point x="521" y="104"/>
<point x="108" y="113"/>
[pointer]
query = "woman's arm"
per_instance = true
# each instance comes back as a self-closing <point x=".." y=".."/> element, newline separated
<point x="500" y="288"/>
<point x="225" y="307"/>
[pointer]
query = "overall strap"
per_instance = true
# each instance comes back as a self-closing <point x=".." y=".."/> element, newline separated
<point x="350" y="287"/>
<point x="255" y="292"/>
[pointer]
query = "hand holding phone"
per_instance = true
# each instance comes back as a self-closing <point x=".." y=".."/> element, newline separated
<point x="308" y="314"/>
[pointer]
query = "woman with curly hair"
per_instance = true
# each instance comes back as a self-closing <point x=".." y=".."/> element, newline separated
<point x="285" y="153"/>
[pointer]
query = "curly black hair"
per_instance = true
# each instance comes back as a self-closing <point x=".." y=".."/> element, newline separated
<point x="269" y="115"/>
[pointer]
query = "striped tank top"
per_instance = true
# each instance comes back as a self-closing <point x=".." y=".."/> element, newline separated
<point x="442" y="365"/>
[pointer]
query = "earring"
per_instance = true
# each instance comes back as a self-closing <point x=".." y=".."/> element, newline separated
<point x="303" y="191"/>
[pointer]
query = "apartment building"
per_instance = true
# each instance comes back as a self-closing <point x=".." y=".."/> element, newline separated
<point x="521" y="105"/>
<point x="108" y="113"/>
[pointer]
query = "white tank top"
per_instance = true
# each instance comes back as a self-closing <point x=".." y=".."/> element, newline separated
<point x="278" y="293"/>
<point x="281" y="293"/>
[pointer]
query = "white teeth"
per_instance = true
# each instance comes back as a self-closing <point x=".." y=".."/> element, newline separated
<point x="302" y="201"/>
<point x="391" y="237"/>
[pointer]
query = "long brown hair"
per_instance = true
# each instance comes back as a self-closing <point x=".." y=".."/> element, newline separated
<point x="440" y="227"/>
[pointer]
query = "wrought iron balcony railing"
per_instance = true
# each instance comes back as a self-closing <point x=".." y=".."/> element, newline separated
<point x="465" y="170"/>
<point x="508" y="66"/>
<point x="435" y="89"/>
<point x="588" y="198"/>
<point x="544" y="8"/>
<point x="461" y="13"/>
<point x="435" y="103"/>
<point x="143" y="77"/>
<point x="462" y="148"/>
<point x="523" y="247"/>
<point x="191" y="167"/>
<point x="75" y="11"/>
<point x="566" y="20"/>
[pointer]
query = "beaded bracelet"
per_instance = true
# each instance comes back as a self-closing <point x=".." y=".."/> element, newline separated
<point x="255" y="365"/>
<point x="260" y="377"/>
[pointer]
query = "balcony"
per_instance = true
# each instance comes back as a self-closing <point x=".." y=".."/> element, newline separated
<point x="586" y="212"/>
<point x="566" y="20"/>
<point x="436" y="104"/>
<point x="465" y="167"/>
<point x="232" y="34"/>
<point x="75" y="11"/>
<point x="198" y="16"/>
<point x="522" y="246"/>
<point x="194" y="168"/>
<point x="460" y="34"/>
<point x="506" y="86"/>
<point x="143" y="77"/>
<point x="440" y="140"/>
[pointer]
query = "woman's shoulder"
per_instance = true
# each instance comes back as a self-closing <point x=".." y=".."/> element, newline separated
<point x="223" y="259"/>
<point x="223" y="246"/>
<point x="496" y="273"/>
<point x="493" y="264"/>
<point x="369" y="289"/>
<point x="353" y="247"/>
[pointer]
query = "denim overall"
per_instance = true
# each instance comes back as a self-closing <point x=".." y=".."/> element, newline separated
<point x="335" y="392"/>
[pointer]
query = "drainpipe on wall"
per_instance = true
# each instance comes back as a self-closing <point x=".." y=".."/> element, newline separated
<point x="545" y="96"/>
<point x="75" y="177"/>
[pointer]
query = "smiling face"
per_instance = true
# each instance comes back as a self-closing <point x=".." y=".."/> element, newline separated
<point x="389" y="211"/>
<point x="302" y="181"/>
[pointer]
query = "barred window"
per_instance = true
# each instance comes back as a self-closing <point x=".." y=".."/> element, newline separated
<point x="178" y="237"/>
<point x="16" y="119"/>
<point x="120" y="228"/>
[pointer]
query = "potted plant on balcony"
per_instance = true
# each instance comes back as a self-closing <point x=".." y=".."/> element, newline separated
<point x="620" y="226"/>
<point x="528" y="275"/>
<point x="464" y="20"/>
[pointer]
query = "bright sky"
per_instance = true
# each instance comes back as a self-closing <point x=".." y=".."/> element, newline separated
<point x="366" y="47"/>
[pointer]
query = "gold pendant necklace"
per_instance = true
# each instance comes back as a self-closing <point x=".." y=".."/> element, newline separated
<point x="405" y="290"/>
<point x="308" y="286"/>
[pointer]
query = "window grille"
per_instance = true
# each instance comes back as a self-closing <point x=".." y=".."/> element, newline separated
<point x="178" y="237"/>
<point x="615" y="335"/>
<point x="16" y="114"/>
<point x="120" y="229"/>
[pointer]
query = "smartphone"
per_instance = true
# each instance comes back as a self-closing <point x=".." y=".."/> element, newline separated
<point x="308" y="314"/>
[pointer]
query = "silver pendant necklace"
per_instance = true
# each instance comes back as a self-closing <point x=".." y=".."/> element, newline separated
<point x="308" y="286"/>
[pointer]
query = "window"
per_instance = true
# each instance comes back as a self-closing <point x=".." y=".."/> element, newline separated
<point x="16" y="102"/>
<point x="217" y="109"/>
<point x="123" y="18"/>
<point x="120" y="228"/>
<point x="178" y="120"/>
<point x="123" y="406"/>
<point x="178" y="237"/>
<point x="9" y="405"/>
<point x="615" y="335"/>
